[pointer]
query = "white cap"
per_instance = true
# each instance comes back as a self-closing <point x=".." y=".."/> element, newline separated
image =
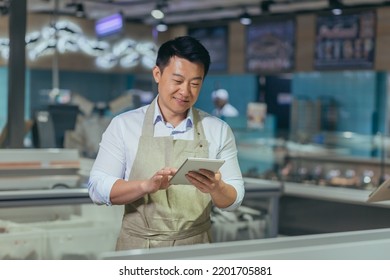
<point x="220" y="93"/>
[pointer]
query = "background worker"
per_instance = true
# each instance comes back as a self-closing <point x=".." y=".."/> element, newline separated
<point x="223" y="108"/>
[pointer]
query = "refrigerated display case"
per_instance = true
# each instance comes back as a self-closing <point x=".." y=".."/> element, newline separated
<point x="65" y="224"/>
<point x="55" y="224"/>
<point x="326" y="181"/>
<point x="22" y="169"/>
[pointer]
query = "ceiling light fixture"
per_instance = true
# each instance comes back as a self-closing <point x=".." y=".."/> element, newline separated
<point x="161" y="27"/>
<point x="158" y="12"/>
<point x="245" y="18"/>
<point x="80" y="10"/>
<point x="337" y="12"/>
<point x="265" y="6"/>
<point x="336" y="7"/>
<point x="4" y="8"/>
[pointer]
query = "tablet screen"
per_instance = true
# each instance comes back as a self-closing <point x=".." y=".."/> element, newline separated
<point x="194" y="164"/>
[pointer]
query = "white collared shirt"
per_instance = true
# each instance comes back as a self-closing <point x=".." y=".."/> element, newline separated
<point x="119" y="146"/>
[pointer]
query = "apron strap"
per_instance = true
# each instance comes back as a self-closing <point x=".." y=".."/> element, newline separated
<point x="148" y="127"/>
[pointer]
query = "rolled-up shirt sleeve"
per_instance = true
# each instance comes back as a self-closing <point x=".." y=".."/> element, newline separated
<point x="109" y="165"/>
<point x="230" y="170"/>
<point x="99" y="187"/>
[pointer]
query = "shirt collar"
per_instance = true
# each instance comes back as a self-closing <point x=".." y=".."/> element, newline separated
<point x="158" y="117"/>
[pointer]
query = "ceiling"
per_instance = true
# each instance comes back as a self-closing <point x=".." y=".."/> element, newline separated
<point x="186" y="11"/>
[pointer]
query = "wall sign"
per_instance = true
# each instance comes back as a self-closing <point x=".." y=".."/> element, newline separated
<point x="215" y="40"/>
<point x="345" y="41"/>
<point x="270" y="46"/>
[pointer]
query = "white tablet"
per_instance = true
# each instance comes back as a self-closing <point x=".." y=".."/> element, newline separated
<point x="194" y="164"/>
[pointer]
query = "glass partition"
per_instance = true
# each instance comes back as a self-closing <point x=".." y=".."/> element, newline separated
<point x="342" y="159"/>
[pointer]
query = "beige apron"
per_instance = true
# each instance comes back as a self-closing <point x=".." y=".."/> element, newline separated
<point x="179" y="215"/>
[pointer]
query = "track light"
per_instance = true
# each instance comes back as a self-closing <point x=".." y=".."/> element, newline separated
<point x="158" y="11"/>
<point x="337" y="11"/>
<point x="265" y="6"/>
<point x="161" y="27"/>
<point x="245" y="18"/>
<point x="79" y="10"/>
<point x="4" y="8"/>
<point x="336" y="7"/>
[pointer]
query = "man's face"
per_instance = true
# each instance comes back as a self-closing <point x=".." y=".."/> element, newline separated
<point x="178" y="87"/>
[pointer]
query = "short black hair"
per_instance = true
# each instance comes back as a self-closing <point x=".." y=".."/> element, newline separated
<point x="186" y="47"/>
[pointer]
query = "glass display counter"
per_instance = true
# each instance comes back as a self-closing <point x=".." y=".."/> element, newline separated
<point x="326" y="180"/>
<point x="329" y="159"/>
<point x="65" y="224"/>
<point x="55" y="224"/>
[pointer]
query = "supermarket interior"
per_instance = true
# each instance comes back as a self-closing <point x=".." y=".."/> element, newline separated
<point x="310" y="84"/>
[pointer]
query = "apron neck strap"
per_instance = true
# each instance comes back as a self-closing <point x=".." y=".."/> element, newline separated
<point x="148" y="126"/>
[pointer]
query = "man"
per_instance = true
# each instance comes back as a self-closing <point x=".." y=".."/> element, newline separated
<point x="222" y="106"/>
<point x="142" y="149"/>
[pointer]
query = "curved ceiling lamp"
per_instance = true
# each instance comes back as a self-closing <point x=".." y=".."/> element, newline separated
<point x="245" y="18"/>
<point x="336" y="7"/>
<point x="158" y="11"/>
<point x="161" y="26"/>
<point x="80" y="10"/>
